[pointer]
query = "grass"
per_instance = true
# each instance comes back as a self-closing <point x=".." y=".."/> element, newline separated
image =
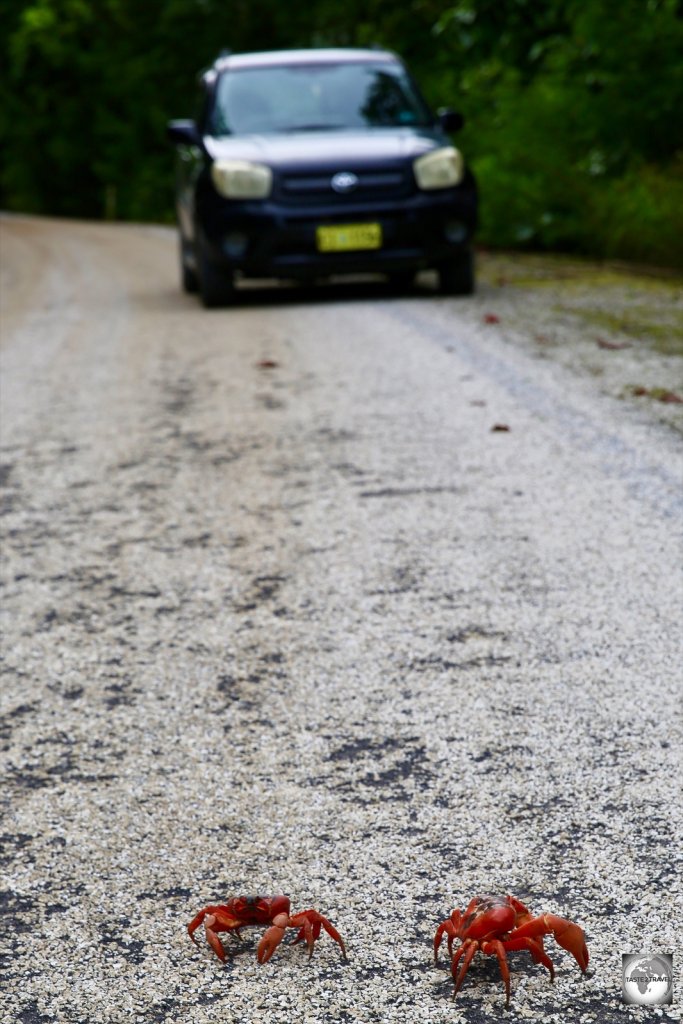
<point x="622" y="300"/>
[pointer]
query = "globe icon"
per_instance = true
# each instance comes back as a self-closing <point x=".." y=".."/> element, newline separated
<point x="648" y="980"/>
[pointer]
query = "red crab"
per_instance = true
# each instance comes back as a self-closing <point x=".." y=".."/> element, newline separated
<point x="495" y="924"/>
<point x="243" y="911"/>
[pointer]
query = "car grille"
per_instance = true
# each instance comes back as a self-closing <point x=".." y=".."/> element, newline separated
<point x="300" y="189"/>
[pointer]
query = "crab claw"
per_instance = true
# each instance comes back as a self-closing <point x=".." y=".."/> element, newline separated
<point x="566" y="934"/>
<point x="214" y="920"/>
<point x="570" y="937"/>
<point x="272" y="938"/>
<point x="212" y="938"/>
<point x="194" y="924"/>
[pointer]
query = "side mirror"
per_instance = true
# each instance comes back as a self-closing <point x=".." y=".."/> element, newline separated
<point x="450" y="120"/>
<point x="183" y="133"/>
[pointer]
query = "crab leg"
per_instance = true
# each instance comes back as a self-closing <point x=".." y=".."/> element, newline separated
<point x="195" y="923"/>
<point x="309" y="923"/>
<point x="309" y="931"/>
<point x="449" y="928"/>
<point x="497" y="948"/>
<point x="469" y="949"/>
<point x="535" y="948"/>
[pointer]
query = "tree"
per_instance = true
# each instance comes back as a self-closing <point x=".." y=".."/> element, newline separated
<point x="572" y="106"/>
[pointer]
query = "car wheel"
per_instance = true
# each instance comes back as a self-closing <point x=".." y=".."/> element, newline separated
<point x="216" y="285"/>
<point x="188" y="275"/>
<point x="456" y="277"/>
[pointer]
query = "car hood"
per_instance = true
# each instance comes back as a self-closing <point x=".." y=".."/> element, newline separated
<point x="330" y="148"/>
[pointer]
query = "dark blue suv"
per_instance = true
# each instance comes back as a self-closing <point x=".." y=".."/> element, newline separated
<point x="304" y="164"/>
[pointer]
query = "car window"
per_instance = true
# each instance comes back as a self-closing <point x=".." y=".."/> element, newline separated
<point x="315" y="96"/>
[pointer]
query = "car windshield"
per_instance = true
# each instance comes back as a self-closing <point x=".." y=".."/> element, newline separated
<point x="315" y="97"/>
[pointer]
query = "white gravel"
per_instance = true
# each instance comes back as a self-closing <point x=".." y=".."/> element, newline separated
<point x="318" y="628"/>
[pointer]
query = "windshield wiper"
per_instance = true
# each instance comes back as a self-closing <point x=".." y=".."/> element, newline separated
<point x="312" y="127"/>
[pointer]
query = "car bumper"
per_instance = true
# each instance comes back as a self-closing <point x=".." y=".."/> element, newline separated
<point x="267" y="239"/>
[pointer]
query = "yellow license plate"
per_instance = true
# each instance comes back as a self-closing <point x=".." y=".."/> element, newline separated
<point x="347" y="237"/>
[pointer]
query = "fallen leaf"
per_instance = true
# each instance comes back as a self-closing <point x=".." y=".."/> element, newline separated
<point x="491" y="318"/>
<point x="266" y="364"/>
<point x="657" y="394"/>
<point x="611" y="345"/>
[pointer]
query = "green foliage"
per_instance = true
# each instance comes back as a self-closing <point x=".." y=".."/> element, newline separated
<point x="572" y="106"/>
<point x="640" y="215"/>
<point x="576" y="138"/>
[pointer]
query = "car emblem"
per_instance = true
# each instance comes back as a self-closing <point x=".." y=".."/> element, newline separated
<point x="345" y="181"/>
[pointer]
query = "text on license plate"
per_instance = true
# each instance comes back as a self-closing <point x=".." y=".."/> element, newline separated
<point x="346" y="237"/>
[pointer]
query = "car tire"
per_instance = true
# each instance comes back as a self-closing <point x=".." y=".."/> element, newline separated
<point x="456" y="277"/>
<point x="188" y="275"/>
<point x="216" y="285"/>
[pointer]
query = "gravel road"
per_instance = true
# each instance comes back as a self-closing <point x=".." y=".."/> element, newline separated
<point x="287" y="609"/>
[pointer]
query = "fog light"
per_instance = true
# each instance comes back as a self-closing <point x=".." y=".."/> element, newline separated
<point x="455" y="231"/>
<point x="235" y="245"/>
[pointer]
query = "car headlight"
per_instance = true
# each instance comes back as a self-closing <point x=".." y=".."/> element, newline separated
<point x="441" y="168"/>
<point x="241" y="179"/>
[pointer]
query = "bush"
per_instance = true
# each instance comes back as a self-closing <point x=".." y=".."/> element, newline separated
<point x="640" y="216"/>
<point x="546" y="184"/>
